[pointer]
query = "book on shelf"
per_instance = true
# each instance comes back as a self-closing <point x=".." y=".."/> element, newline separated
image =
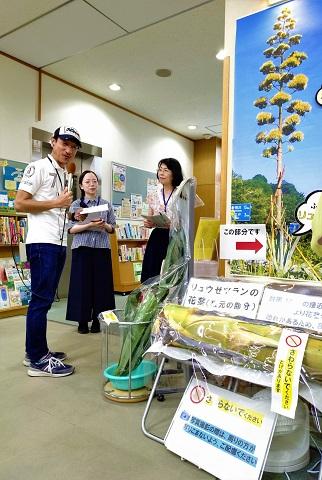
<point x="132" y="232"/>
<point x="12" y="274"/>
<point x="14" y="298"/>
<point x="25" y="294"/>
<point x="5" y="263"/>
<point x="4" y="298"/>
<point x="137" y="270"/>
<point x="12" y="229"/>
<point x="131" y="254"/>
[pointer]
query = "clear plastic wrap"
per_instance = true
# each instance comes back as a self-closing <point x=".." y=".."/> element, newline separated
<point x="238" y="341"/>
<point x="143" y="304"/>
<point x="236" y="347"/>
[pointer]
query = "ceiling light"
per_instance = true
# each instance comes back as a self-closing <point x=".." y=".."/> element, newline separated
<point x="192" y="127"/>
<point x="115" y="87"/>
<point x="163" y="72"/>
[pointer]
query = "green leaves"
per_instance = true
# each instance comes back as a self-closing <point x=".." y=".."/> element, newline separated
<point x="143" y="304"/>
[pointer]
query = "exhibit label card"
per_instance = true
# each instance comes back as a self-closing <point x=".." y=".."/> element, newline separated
<point x="224" y="433"/>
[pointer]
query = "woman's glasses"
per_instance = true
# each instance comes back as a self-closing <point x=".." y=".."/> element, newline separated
<point x="90" y="182"/>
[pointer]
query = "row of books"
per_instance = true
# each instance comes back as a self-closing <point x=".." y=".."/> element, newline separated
<point x="126" y="253"/>
<point x="14" y="283"/>
<point x="15" y="294"/>
<point x="132" y="231"/>
<point x="12" y="230"/>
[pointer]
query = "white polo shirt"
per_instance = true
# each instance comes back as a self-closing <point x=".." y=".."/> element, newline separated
<point x="44" y="179"/>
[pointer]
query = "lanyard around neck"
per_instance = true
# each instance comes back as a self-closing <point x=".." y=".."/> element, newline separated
<point x="61" y="183"/>
<point x="165" y="202"/>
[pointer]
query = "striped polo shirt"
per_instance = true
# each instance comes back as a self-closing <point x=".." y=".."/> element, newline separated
<point x="92" y="238"/>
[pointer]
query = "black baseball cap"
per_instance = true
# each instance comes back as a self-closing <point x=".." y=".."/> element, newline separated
<point x="68" y="133"/>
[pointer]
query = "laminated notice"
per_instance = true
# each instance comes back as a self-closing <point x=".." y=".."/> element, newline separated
<point x="109" y="317"/>
<point x="287" y="370"/>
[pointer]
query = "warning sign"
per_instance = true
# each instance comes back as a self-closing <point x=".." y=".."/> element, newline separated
<point x="228" y="437"/>
<point x="197" y="394"/>
<point x="293" y="341"/>
<point x="288" y="364"/>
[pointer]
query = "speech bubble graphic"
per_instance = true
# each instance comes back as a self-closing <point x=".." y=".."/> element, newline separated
<point x="304" y="212"/>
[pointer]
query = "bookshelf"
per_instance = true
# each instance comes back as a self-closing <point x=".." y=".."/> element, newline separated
<point x="13" y="226"/>
<point x="127" y="250"/>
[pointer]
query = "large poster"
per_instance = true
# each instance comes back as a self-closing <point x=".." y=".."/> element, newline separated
<point x="10" y="176"/>
<point x="277" y="151"/>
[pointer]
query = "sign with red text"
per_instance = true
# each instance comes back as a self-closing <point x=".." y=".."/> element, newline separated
<point x="243" y="242"/>
<point x="287" y="370"/>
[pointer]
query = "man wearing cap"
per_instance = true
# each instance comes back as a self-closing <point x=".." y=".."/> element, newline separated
<point x="44" y="196"/>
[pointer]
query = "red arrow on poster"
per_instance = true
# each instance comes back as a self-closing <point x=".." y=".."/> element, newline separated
<point x="256" y="245"/>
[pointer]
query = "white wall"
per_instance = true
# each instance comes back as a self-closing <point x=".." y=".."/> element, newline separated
<point x="124" y="138"/>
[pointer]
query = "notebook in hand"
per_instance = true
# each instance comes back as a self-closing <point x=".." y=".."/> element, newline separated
<point x="159" y="220"/>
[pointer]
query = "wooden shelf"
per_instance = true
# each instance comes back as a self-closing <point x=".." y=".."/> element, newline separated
<point x="13" y="311"/>
<point x="133" y="261"/>
<point x="123" y="272"/>
<point x="13" y="214"/>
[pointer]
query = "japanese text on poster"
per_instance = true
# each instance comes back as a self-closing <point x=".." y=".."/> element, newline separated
<point x="291" y="309"/>
<point x="236" y="298"/>
<point x="222" y="432"/>
<point x="243" y="242"/>
<point x="288" y="363"/>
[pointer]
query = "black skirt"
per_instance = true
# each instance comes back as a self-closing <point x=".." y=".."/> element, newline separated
<point x="155" y="253"/>
<point x="91" y="289"/>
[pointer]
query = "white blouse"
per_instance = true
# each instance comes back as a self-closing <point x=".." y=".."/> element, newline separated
<point x="158" y="203"/>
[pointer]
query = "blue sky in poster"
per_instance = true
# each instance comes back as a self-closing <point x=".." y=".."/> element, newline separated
<point x="302" y="166"/>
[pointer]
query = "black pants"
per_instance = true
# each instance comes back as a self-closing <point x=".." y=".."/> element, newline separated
<point x="155" y="253"/>
<point x="91" y="289"/>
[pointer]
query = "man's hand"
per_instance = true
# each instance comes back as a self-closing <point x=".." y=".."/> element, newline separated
<point x="80" y="217"/>
<point x="64" y="199"/>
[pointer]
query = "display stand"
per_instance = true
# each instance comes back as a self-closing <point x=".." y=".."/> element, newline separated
<point x="171" y="353"/>
<point x="133" y="387"/>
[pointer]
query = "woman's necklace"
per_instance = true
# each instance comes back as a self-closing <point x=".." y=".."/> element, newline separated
<point x="165" y="202"/>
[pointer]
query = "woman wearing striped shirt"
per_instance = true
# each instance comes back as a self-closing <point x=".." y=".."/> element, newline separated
<point x="91" y="289"/>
